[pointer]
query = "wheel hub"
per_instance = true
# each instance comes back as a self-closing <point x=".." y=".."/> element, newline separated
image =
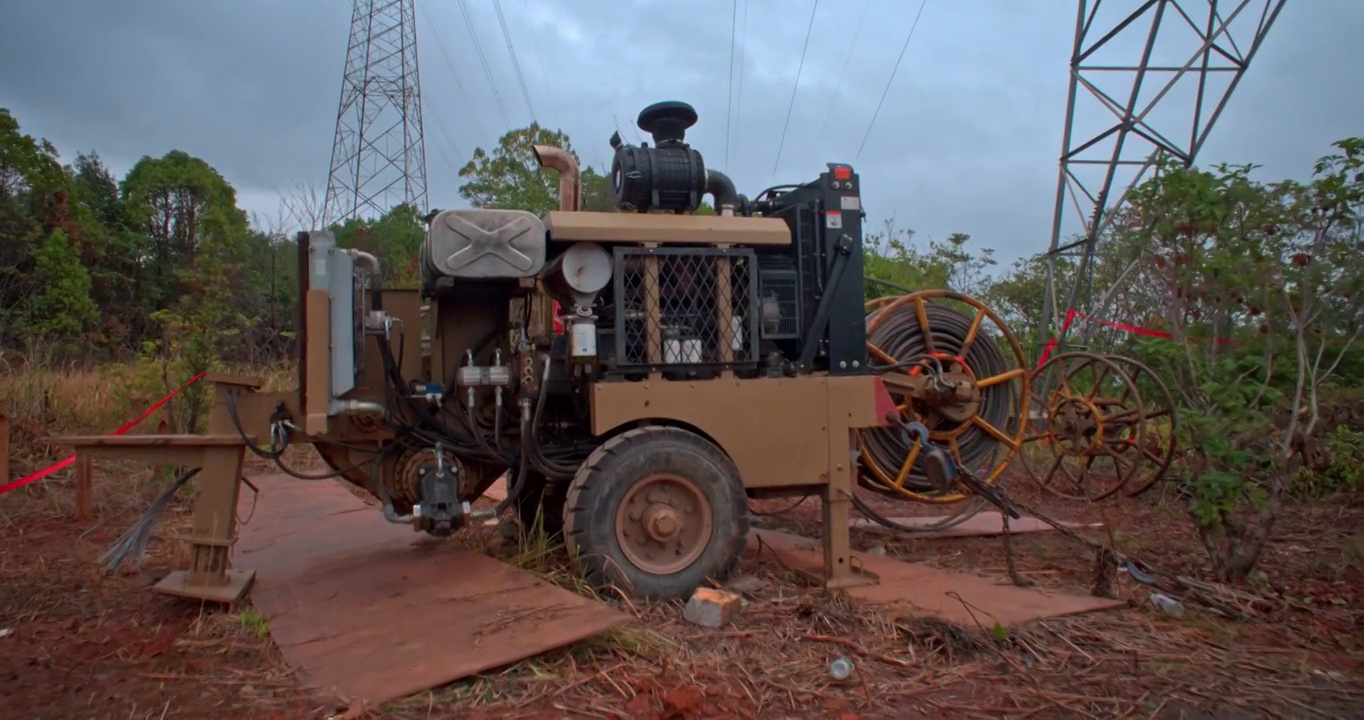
<point x="963" y="403"/>
<point x="1077" y="424"/>
<point x="663" y="524"/>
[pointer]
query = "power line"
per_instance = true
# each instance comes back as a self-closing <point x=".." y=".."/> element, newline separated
<point x="440" y="125"/>
<point x="516" y="64"/>
<point x="791" y="106"/>
<point x="539" y="57"/>
<point x="450" y="65"/>
<point x="891" y="79"/>
<point x="483" y="60"/>
<point x="729" y="107"/>
<point x="739" y="94"/>
<point x="857" y="34"/>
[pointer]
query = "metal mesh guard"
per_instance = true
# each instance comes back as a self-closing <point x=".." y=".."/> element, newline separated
<point x="676" y="316"/>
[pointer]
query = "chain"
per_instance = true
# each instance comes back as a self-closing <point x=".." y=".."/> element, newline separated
<point x="1009" y="566"/>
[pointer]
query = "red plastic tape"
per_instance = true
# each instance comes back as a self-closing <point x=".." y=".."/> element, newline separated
<point x="34" y="477"/>
<point x="1072" y="314"/>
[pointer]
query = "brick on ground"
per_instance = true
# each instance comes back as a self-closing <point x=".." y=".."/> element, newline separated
<point x="712" y="608"/>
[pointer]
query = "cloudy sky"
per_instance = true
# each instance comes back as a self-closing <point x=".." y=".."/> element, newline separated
<point x="967" y="139"/>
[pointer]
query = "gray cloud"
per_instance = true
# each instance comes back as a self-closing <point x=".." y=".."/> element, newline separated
<point x="967" y="140"/>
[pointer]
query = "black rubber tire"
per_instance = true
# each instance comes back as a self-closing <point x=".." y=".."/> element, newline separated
<point x="542" y="501"/>
<point x="600" y="486"/>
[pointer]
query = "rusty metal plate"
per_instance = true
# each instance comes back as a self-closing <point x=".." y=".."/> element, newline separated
<point x="371" y="612"/>
<point x="910" y="589"/>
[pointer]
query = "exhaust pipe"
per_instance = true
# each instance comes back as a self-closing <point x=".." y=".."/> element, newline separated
<point x="570" y="190"/>
<point x="721" y="188"/>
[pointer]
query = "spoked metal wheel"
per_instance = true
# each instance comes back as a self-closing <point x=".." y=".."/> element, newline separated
<point x="1157" y="449"/>
<point x="1093" y="418"/>
<point x="950" y="363"/>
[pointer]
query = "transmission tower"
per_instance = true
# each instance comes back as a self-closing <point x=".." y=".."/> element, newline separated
<point x="379" y="152"/>
<point x="1193" y="54"/>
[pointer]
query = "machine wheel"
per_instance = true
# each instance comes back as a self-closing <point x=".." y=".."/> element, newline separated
<point x="657" y="511"/>
<point x="542" y="504"/>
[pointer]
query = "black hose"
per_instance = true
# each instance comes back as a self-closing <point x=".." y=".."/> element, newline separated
<point x="530" y="445"/>
<point x="379" y="488"/>
<point x="274" y="453"/>
<point x="518" y="485"/>
<point x="528" y="426"/>
<point x="900" y="336"/>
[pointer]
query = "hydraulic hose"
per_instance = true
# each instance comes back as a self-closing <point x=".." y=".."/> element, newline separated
<point x="528" y="427"/>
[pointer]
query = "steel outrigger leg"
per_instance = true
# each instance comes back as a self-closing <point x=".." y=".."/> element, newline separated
<point x="219" y="454"/>
<point x="840" y="567"/>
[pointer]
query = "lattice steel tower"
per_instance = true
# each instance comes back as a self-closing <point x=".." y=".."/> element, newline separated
<point x="1193" y="54"/>
<point x="379" y="152"/>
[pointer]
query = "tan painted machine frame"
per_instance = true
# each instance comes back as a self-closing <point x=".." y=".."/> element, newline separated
<point x="793" y="435"/>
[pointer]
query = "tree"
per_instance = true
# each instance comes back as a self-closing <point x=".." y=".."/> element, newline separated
<point x="303" y="205"/>
<point x="596" y="192"/>
<point x="510" y="177"/>
<point x="202" y="268"/>
<point x="967" y="270"/>
<point x="60" y="309"/>
<point x="395" y="238"/>
<point x="160" y="266"/>
<point x="1019" y="295"/>
<point x="1261" y="291"/>
<point x="890" y="256"/>
<point x="32" y="184"/>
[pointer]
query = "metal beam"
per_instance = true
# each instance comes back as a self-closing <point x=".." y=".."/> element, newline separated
<point x="1208" y="47"/>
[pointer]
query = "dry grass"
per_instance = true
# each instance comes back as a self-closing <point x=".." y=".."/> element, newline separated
<point x="99" y="399"/>
<point x="75" y="401"/>
<point x="93" y="645"/>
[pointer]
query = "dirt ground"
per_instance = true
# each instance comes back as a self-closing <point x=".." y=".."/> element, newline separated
<point x="77" y="643"/>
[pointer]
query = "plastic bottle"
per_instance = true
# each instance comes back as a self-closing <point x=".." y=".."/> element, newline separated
<point x="1167" y="604"/>
<point x="841" y="668"/>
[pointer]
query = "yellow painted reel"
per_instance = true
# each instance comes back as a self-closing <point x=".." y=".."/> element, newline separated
<point x="951" y="363"/>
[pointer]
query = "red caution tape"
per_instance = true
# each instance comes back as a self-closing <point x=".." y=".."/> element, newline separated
<point x="1072" y="314"/>
<point x="1065" y="325"/>
<point x="34" y="477"/>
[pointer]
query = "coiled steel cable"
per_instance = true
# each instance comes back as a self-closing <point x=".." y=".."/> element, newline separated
<point x="901" y="337"/>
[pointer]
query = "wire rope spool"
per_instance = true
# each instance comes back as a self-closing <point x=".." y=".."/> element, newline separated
<point x="1093" y="428"/>
<point x="952" y="364"/>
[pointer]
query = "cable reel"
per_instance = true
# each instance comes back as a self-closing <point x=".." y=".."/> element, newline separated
<point x="1106" y="425"/>
<point x="941" y="360"/>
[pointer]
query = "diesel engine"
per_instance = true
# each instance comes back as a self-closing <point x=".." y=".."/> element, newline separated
<point x="524" y="314"/>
